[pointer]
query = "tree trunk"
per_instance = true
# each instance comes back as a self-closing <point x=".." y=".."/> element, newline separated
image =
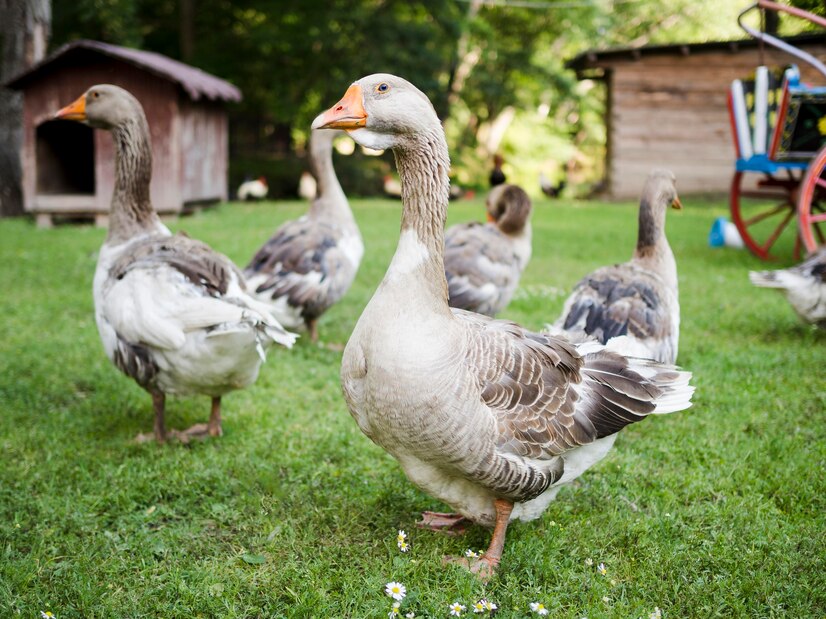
<point x="187" y="30"/>
<point x="24" y="35"/>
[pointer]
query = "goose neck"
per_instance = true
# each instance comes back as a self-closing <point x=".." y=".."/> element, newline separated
<point x="423" y="168"/>
<point x="131" y="209"/>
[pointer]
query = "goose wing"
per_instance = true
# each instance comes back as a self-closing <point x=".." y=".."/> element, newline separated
<point x="304" y="262"/>
<point x="163" y="287"/>
<point x="549" y="396"/>
<point x="618" y="300"/>
<point x="481" y="268"/>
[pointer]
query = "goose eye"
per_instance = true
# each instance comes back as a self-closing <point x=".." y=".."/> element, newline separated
<point x="95" y="94"/>
<point x="383" y="87"/>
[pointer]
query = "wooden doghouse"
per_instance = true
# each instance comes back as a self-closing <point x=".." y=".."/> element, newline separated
<point x="666" y="105"/>
<point x="68" y="168"/>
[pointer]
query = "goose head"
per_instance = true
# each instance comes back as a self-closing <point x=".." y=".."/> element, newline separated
<point x="103" y="107"/>
<point x="660" y="189"/>
<point x="509" y="207"/>
<point x="381" y="111"/>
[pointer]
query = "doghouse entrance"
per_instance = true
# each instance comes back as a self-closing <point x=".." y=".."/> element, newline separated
<point x="65" y="158"/>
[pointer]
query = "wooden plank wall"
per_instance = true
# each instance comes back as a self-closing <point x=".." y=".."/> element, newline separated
<point x="63" y="85"/>
<point x="204" y="151"/>
<point x="670" y="111"/>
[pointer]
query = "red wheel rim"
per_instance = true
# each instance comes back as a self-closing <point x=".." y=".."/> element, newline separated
<point x="811" y="205"/>
<point x="764" y="215"/>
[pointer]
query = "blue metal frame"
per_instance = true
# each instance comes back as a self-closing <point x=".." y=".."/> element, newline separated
<point x="762" y="163"/>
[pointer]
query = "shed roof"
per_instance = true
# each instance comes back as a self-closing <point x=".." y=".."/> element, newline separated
<point x="196" y="83"/>
<point x="597" y="58"/>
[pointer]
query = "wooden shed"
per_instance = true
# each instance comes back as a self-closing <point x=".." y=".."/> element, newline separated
<point x="666" y="106"/>
<point x="68" y="168"/>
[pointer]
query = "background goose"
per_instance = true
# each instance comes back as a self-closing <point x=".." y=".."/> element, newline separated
<point x="483" y="414"/>
<point x="639" y="298"/>
<point x="309" y="263"/>
<point x="172" y="313"/>
<point x="483" y="262"/>
<point x="253" y="189"/>
<point x="803" y="285"/>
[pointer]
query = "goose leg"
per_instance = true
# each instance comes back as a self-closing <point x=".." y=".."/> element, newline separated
<point x="485" y="566"/>
<point x="450" y="524"/>
<point x="313" y="329"/>
<point x="159" y="427"/>
<point x="215" y="418"/>
<point x="201" y="431"/>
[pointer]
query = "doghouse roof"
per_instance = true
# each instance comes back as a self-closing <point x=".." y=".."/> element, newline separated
<point x="196" y="83"/>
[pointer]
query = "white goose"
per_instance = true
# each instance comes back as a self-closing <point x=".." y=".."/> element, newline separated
<point x="172" y="313"/>
<point x="310" y="263"/>
<point x="483" y="262"/>
<point x="803" y="285"/>
<point x="637" y="299"/>
<point x="481" y="413"/>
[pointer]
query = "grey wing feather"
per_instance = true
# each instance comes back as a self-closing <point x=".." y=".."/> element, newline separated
<point x="615" y="301"/>
<point x="196" y="261"/>
<point x="302" y="261"/>
<point x="482" y="270"/>
<point x="547" y="398"/>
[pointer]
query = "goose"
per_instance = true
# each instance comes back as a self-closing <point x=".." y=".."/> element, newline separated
<point x="483" y="262"/>
<point x="497" y="176"/>
<point x="173" y="314"/>
<point x="637" y="299"/>
<point x="803" y="285"/>
<point x="483" y="414"/>
<point x="254" y="189"/>
<point x="309" y="263"/>
<point x="548" y="188"/>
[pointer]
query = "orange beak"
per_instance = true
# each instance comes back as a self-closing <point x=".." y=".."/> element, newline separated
<point x="346" y="114"/>
<point x="491" y="218"/>
<point x="75" y="110"/>
<point x="676" y="203"/>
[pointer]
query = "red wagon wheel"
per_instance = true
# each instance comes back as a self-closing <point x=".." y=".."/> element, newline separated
<point x="811" y="206"/>
<point x="763" y="214"/>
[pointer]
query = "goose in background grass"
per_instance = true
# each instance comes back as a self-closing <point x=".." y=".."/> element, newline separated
<point x="637" y="299"/>
<point x="309" y="263"/>
<point x="803" y="285"/>
<point x="253" y="190"/>
<point x="482" y="414"/>
<point x="483" y="262"/>
<point x="173" y="314"/>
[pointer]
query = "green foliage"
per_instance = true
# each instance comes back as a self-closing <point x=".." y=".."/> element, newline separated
<point x="294" y="58"/>
<point x="718" y="511"/>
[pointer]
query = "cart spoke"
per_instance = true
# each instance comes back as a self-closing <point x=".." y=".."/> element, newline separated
<point x="777" y="231"/>
<point x="761" y="216"/>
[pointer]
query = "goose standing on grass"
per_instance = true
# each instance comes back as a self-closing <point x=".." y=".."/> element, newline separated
<point x="481" y="413"/>
<point x="172" y="313"/>
<point x="636" y="299"/>
<point x="483" y="262"/>
<point x="803" y="285"/>
<point x="309" y="263"/>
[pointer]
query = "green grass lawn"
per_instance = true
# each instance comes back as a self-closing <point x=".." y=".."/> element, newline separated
<point x="717" y="511"/>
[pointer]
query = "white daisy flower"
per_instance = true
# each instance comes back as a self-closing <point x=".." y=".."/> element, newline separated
<point x="403" y="546"/>
<point x="490" y="605"/>
<point x="456" y="609"/>
<point x="47" y="615"/>
<point x="539" y="608"/>
<point x="479" y="607"/>
<point x="395" y="590"/>
<point x="606" y="599"/>
<point x="471" y="554"/>
<point x="602" y="569"/>
<point x="394" y="610"/>
<point x="410" y="615"/>
<point x="656" y="613"/>
<point x="589" y="561"/>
